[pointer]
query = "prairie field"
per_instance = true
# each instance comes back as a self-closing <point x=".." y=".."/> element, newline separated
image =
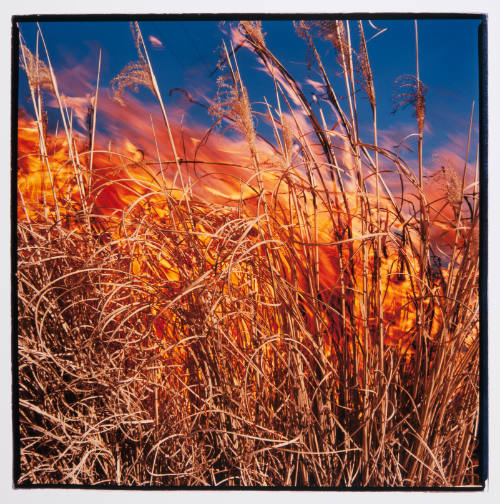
<point x="274" y="297"/>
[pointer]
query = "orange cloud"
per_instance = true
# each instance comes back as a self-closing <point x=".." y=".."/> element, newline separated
<point x="155" y="42"/>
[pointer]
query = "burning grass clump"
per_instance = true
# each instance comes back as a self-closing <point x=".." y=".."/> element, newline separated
<point x="311" y="328"/>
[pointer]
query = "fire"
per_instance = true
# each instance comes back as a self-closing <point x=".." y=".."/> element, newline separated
<point x="127" y="184"/>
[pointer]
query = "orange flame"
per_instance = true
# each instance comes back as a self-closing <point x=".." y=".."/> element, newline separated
<point x="225" y="176"/>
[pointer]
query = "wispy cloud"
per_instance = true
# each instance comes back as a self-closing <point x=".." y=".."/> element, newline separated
<point x="155" y="42"/>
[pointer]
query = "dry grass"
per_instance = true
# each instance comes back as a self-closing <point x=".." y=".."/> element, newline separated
<point x="304" y="334"/>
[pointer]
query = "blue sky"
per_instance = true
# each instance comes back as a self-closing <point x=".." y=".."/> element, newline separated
<point x="188" y="56"/>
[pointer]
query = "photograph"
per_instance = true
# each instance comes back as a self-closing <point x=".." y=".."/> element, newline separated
<point x="249" y="251"/>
